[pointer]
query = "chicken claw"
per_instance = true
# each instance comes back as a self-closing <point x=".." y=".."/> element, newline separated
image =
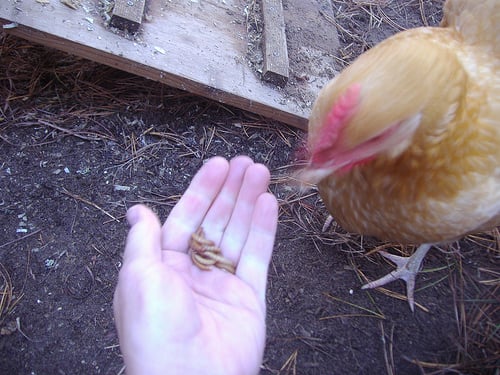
<point x="407" y="269"/>
<point x="205" y="254"/>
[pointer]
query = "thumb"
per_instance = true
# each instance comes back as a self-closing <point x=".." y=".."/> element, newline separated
<point x="144" y="237"/>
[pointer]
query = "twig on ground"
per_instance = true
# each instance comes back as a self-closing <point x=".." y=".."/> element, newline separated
<point x="387" y="348"/>
<point x="290" y="365"/>
<point x="86" y="201"/>
<point x="20" y="238"/>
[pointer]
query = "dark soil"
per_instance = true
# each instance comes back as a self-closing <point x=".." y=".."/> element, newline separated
<point x="81" y="142"/>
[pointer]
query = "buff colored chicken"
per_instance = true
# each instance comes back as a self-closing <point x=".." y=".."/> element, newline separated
<point x="404" y="144"/>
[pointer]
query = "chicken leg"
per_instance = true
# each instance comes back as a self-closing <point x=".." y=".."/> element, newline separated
<point x="407" y="269"/>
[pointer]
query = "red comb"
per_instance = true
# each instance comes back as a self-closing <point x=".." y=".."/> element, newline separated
<point x="336" y="119"/>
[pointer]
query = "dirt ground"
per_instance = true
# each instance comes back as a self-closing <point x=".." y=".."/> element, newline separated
<point x="81" y="142"/>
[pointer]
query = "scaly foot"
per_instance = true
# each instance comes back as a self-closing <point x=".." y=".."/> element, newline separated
<point x="407" y="269"/>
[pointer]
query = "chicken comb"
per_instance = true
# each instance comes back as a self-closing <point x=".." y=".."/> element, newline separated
<point x="335" y="120"/>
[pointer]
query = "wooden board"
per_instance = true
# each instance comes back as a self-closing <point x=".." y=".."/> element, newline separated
<point x="128" y="14"/>
<point x="275" y="47"/>
<point x="194" y="45"/>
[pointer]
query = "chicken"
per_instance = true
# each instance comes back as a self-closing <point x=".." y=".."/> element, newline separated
<point x="404" y="144"/>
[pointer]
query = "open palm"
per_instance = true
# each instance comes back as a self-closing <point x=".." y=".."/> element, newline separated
<point x="173" y="317"/>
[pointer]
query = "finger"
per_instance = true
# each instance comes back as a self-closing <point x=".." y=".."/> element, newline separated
<point x="189" y="212"/>
<point x="255" y="183"/>
<point x="144" y="237"/>
<point x="217" y="218"/>
<point x="256" y="254"/>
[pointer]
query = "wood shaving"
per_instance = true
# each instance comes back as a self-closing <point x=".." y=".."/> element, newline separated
<point x="73" y="4"/>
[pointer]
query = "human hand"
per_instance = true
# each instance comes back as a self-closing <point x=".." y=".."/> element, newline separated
<point x="175" y="318"/>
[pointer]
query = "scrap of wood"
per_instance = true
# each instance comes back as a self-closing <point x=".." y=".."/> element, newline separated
<point x="73" y="4"/>
<point x="275" y="50"/>
<point x="127" y="14"/>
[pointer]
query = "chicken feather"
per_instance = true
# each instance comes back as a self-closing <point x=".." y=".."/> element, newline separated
<point x="415" y="151"/>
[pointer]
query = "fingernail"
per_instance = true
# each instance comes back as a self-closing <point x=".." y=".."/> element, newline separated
<point x="134" y="214"/>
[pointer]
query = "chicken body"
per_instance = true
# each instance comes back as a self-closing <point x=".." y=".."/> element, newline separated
<point x="405" y="143"/>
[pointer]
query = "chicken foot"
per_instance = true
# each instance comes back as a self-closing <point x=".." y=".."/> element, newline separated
<point x="407" y="269"/>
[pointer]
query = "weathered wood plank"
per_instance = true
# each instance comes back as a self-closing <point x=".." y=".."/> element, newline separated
<point x="197" y="46"/>
<point x="275" y="48"/>
<point x="127" y="14"/>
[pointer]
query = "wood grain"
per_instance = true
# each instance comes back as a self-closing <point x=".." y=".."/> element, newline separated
<point x="127" y="14"/>
<point x="199" y="47"/>
<point x="275" y="49"/>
